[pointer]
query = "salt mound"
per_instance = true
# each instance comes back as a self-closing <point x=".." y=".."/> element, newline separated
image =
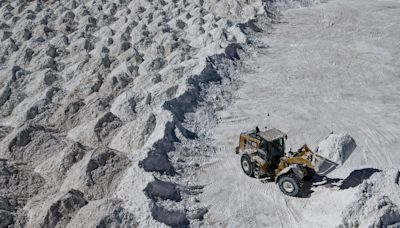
<point x="337" y="147"/>
<point x="376" y="204"/>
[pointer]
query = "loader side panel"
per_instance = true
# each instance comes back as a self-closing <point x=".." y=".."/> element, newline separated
<point x="248" y="143"/>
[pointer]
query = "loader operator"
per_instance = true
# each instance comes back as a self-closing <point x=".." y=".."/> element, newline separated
<point x="272" y="152"/>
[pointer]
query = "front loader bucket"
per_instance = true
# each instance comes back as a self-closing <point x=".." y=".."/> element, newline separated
<point x="332" y="152"/>
<point x="322" y="165"/>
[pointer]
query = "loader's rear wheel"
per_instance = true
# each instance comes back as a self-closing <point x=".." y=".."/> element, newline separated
<point x="289" y="184"/>
<point x="247" y="166"/>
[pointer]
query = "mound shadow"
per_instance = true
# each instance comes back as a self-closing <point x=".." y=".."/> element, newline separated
<point x="355" y="178"/>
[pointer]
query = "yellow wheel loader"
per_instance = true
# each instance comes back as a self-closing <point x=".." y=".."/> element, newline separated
<point x="263" y="155"/>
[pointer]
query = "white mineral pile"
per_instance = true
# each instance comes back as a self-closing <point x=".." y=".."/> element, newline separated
<point x="83" y="92"/>
<point x="337" y="147"/>
<point x="377" y="203"/>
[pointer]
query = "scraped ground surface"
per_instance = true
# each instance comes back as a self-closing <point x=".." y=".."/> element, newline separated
<point x="334" y="66"/>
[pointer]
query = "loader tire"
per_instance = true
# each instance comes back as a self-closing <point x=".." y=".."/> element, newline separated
<point x="289" y="184"/>
<point x="247" y="165"/>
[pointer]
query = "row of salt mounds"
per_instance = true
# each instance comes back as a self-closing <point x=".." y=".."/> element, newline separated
<point x="95" y="74"/>
<point x="377" y="204"/>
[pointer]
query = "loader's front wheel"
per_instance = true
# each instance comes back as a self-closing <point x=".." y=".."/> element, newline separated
<point x="247" y="166"/>
<point x="289" y="184"/>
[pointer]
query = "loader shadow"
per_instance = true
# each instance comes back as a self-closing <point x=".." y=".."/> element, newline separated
<point x="354" y="179"/>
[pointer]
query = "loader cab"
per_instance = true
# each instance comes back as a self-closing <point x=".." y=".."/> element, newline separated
<point x="261" y="151"/>
<point x="270" y="144"/>
<point x="274" y="148"/>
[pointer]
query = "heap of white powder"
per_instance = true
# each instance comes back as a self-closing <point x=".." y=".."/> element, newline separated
<point x="337" y="147"/>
